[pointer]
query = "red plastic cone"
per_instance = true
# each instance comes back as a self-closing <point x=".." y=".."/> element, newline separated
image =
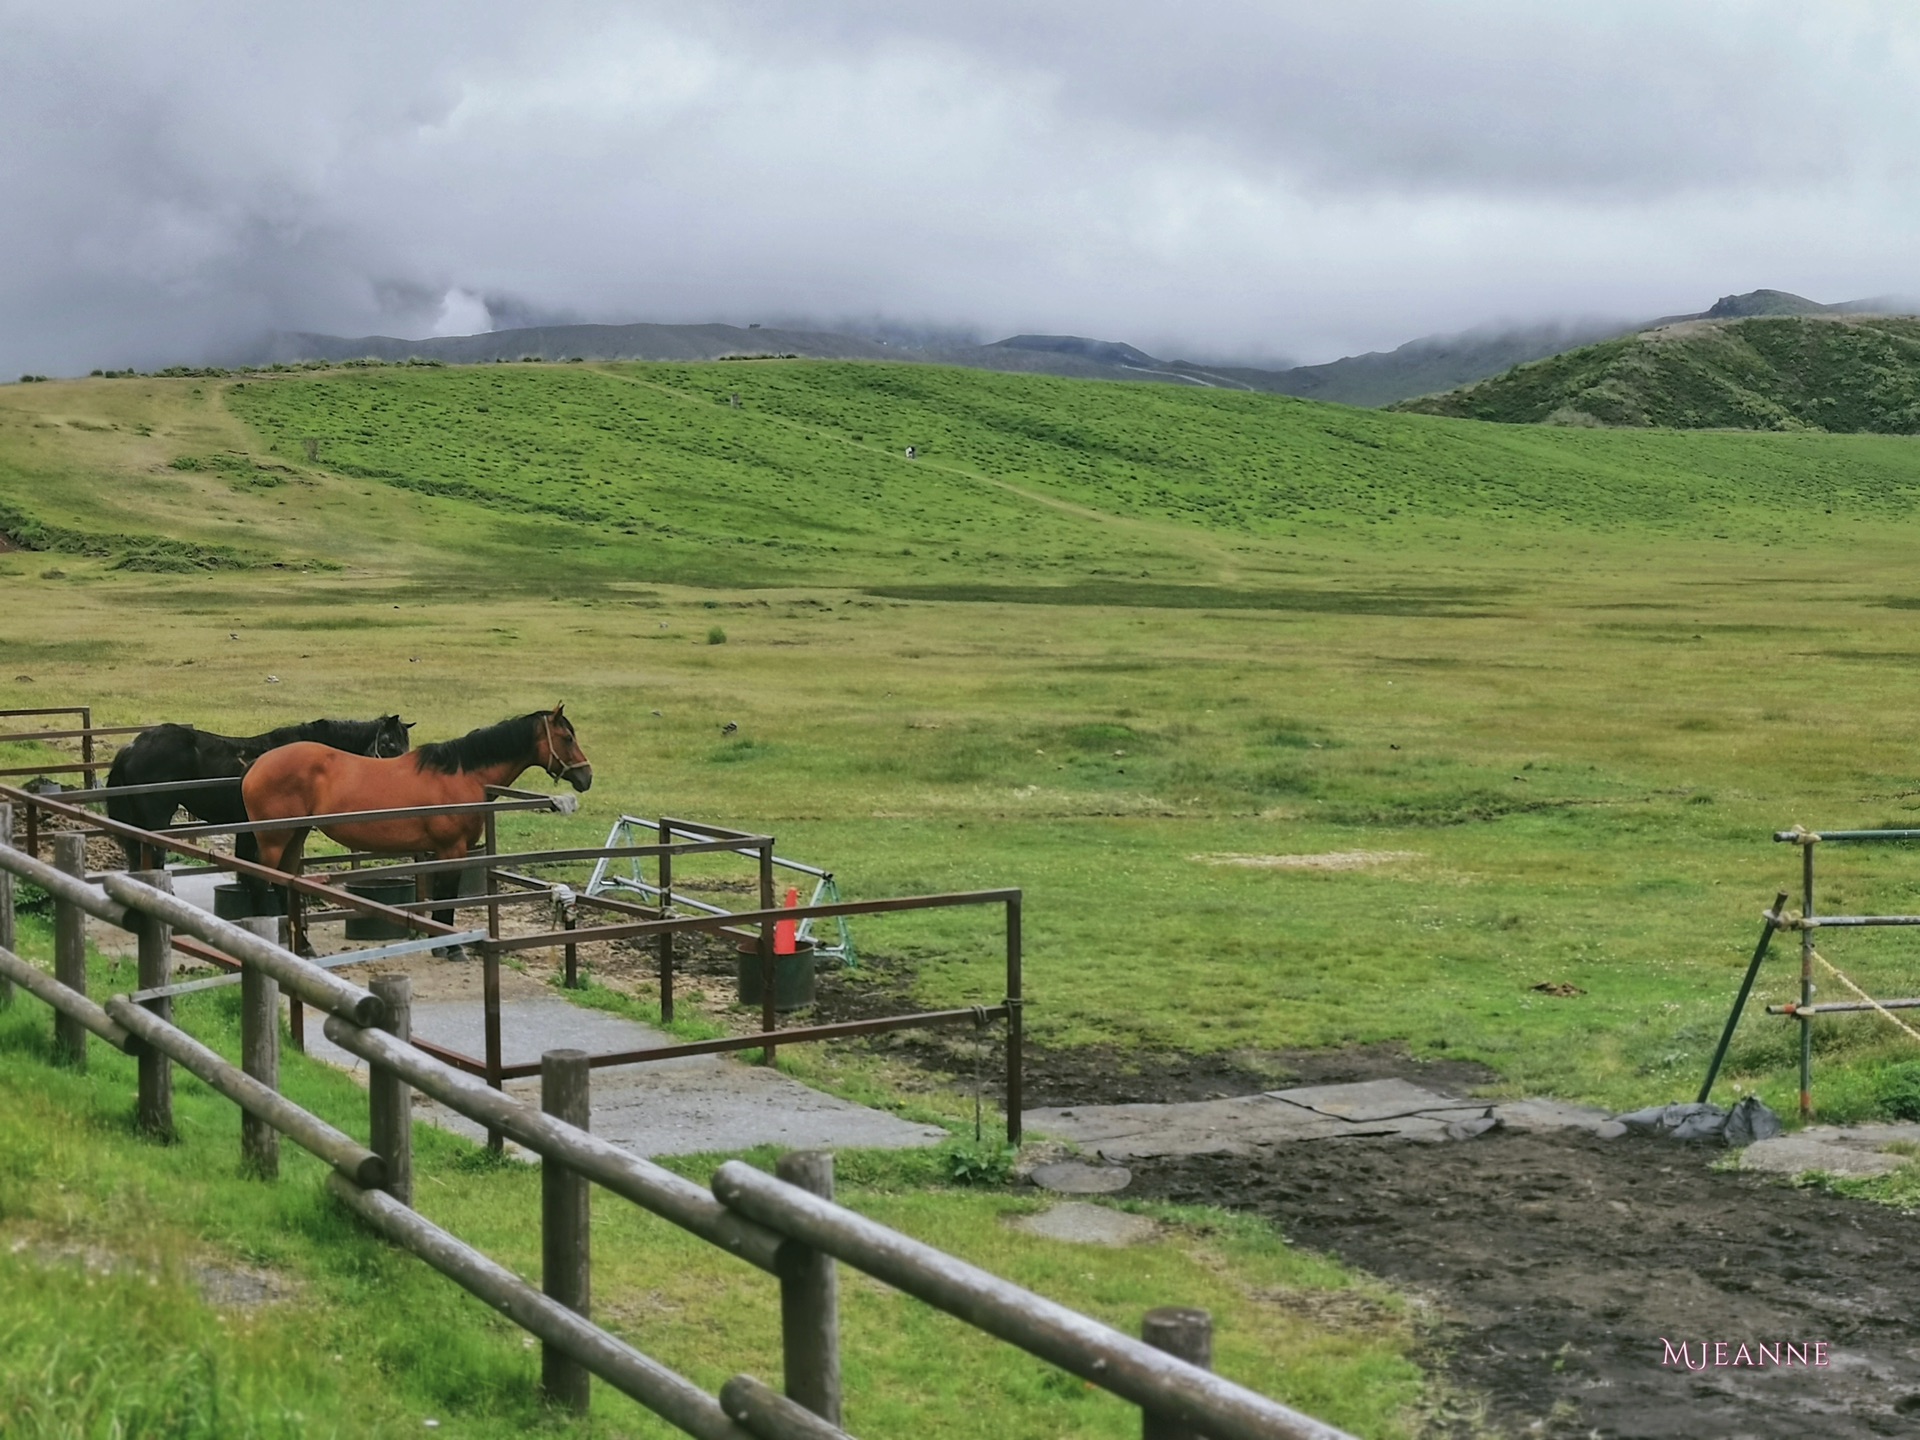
<point x="786" y="932"/>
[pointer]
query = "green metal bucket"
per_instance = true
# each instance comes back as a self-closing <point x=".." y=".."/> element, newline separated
<point x="792" y="975"/>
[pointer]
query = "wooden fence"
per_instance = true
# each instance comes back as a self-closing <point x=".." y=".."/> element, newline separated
<point x="785" y="1224"/>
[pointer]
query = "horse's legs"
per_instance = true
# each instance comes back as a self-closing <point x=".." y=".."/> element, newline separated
<point x="284" y="854"/>
<point x="450" y="885"/>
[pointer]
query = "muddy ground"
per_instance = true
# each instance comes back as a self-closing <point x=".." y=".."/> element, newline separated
<point x="1562" y="1261"/>
<point x="1559" y="1262"/>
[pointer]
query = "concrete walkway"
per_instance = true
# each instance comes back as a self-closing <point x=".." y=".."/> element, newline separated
<point x="667" y="1107"/>
<point x="1377" y="1109"/>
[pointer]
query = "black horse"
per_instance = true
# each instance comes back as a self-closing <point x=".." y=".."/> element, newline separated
<point x="180" y="752"/>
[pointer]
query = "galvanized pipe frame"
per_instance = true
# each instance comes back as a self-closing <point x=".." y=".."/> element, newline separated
<point x="770" y="1035"/>
<point x="1807" y="923"/>
<point x="228" y="863"/>
<point x="87" y="765"/>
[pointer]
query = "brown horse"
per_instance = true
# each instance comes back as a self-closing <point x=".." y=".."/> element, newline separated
<point x="306" y="779"/>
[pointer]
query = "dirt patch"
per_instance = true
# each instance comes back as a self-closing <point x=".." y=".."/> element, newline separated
<point x="1562" y="1261"/>
<point x="1328" y="860"/>
<point x="1102" y="1074"/>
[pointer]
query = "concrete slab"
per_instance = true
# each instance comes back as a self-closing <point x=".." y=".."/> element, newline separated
<point x="1550" y="1115"/>
<point x="666" y="1107"/>
<point x="1199" y="1127"/>
<point x="1795" y="1154"/>
<point x="1367" y="1100"/>
<point x="1072" y="1177"/>
<point x="1083" y="1224"/>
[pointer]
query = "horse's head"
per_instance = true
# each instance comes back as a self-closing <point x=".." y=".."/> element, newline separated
<point x="559" y="751"/>
<point x="390" y="738"/>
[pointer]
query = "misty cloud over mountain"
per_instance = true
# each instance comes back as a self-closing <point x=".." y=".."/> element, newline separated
<point x="1240" y="181"/>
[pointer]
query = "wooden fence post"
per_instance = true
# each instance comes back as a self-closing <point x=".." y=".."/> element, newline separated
<point x="260" y="1051"/>
<point x="70" y="952"/>
<point x="566" y="1244"/>
<point x="154" y="1113"/>
<point x="810" y="1298"/>
<point x="389" y="1097"/>
<point x="1187" y="1335"/>
<point x="7" y="939"/>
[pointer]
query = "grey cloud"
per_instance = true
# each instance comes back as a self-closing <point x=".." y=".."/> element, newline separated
<point x="1229" y="179"/>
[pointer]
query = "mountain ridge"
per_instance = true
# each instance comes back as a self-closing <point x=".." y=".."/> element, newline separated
<point x="1428" y="365"/>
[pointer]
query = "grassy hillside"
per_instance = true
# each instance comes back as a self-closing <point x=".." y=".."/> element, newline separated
<point x="1136" y="649"/>
<point x="1840" y="374"/>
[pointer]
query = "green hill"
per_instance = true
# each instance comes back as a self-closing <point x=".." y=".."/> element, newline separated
<point x="1780" y="372"/>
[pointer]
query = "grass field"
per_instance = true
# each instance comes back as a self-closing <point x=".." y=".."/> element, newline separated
<point x="1134" y="649"/>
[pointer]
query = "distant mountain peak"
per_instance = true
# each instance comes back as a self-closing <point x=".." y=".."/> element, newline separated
<point x="1105" y="352"/>
<point x="1757" y="303"/>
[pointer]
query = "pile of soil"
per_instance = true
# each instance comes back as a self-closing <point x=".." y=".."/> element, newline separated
<point x="1561" y="1262"/>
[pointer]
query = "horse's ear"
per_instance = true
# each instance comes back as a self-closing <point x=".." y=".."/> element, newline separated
<point x="558" y="709"/>
<point x="406" y="724"/>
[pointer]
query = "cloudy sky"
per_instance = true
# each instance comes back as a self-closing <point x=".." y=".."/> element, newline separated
<point x="1211" y="178"/>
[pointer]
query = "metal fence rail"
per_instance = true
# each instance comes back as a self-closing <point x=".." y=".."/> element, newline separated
<point x="783" y="1225"/>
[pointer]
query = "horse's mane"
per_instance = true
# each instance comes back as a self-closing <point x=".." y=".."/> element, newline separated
<point x="509" y="739"/>
<point x="354" y="736"/>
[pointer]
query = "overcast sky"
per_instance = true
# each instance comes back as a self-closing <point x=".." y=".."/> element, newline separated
<point x="1209" y="178"/>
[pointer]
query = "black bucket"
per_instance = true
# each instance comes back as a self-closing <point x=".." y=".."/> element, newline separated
<point x="792" y="975"/>
<point x="395" y="890"/>
<point x="232" y="901"/>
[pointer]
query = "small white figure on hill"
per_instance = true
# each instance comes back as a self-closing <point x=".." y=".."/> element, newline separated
<point x="912" y="454"/>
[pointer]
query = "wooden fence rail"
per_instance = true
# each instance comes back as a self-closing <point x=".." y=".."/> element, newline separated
<point x="787" y="1225"/>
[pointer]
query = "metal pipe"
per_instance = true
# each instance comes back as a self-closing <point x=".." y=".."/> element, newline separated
<point x="1129" y="1368"/>
<point x="1806" y="981"/>
<point x="1016" y="1028"/>
<point x="1746" y="985"/>
<point x="840" y="1030"/>
<point x="768" y="915"/>
<point x="1824" y="837"/>
<point x="670" y="1396"/>
<point x="229" y="863"/>
<point x="355" y="817"/>
<point x="6" y="896"/>
<point x="1843" y="1007"/>
<point x="769" y="1011"/>
<point x="299" y="979"/>
<point x="343" y="1152"/>
<point x="647" y="1185"/>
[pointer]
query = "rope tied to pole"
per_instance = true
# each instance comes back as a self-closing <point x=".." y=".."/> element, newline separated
<point x="1878" y="1008"/>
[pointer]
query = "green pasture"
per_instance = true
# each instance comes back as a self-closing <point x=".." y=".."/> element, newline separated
<point x="1132" y="648"/>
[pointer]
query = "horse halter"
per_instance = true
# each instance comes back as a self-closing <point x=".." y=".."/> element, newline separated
<point x="553" y="754"/>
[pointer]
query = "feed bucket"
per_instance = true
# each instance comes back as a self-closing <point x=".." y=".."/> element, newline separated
<point x="232" y="902"/>
<point x="792" y="975"/>
<point x="395" y="891"/>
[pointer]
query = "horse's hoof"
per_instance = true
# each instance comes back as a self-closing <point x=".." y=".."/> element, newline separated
<point x="453" y="952"/>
